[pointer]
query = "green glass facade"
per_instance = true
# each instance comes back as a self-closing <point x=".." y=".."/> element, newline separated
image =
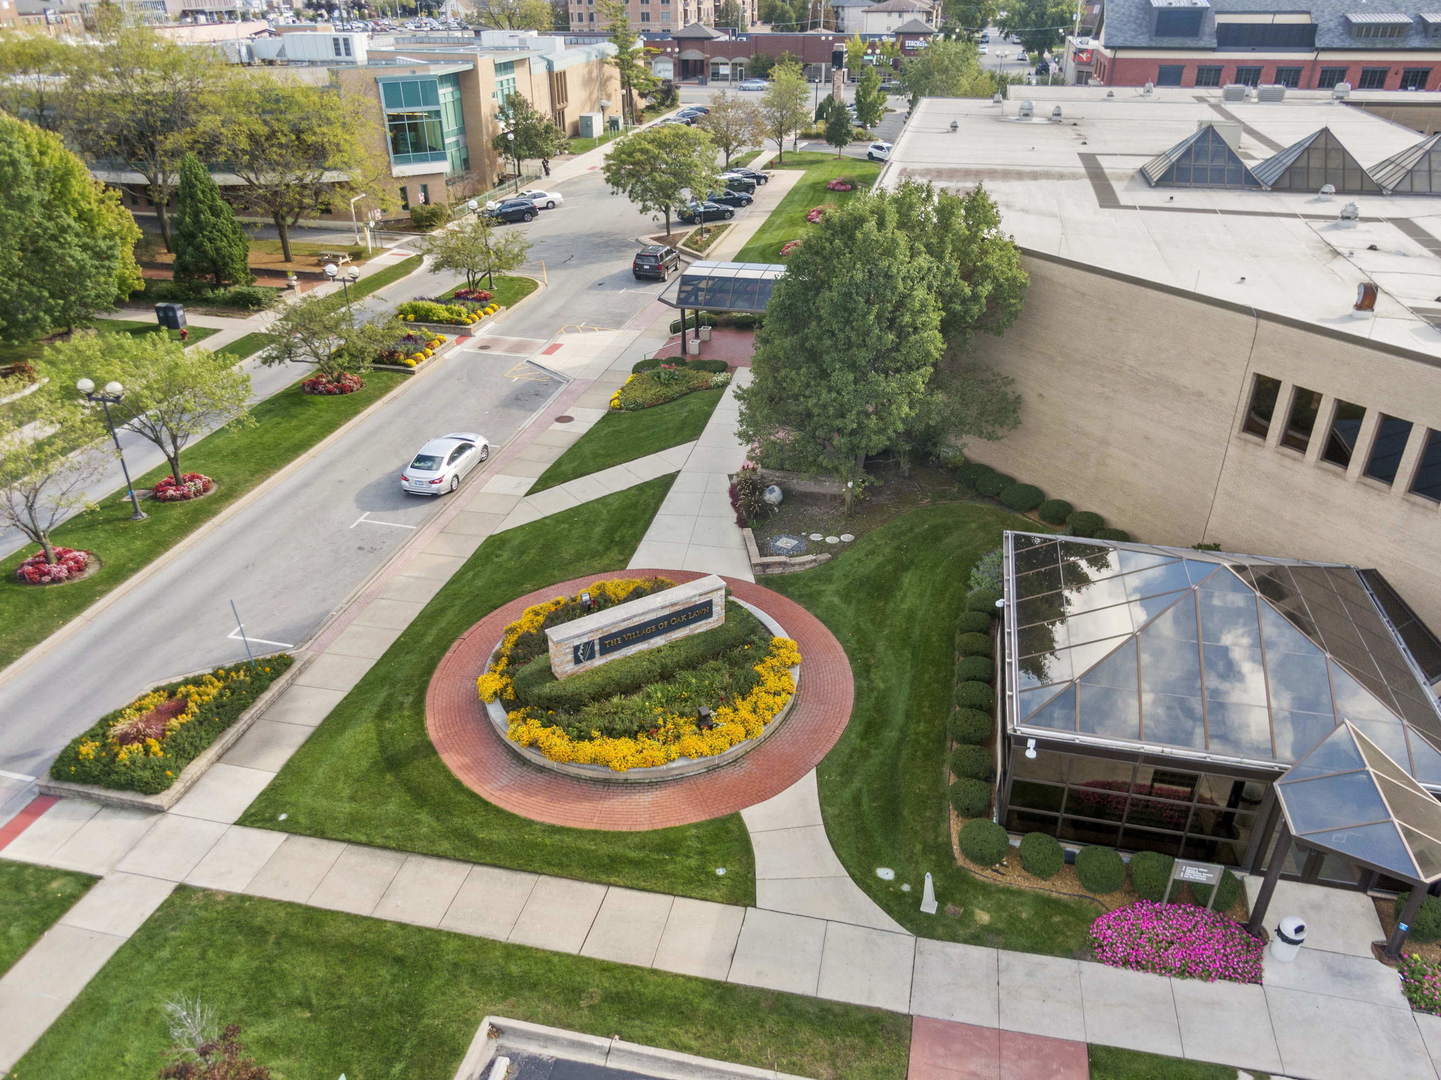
<point x="424" y="121"/>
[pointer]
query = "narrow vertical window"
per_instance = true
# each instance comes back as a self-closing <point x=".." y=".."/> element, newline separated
<point x="1427" y="481"/>
<point x="1301" y="419"/>
<point x="1392" y="435"/>
<point x="1345" y="429"/>
<point x="1262" y="407"/>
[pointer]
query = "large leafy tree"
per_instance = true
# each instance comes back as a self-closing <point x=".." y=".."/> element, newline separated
<point x="783" y="106"/>
<point x="968" y="17"/>
<point x="731" y="13"/>
<point x="946" y="69"/>
<point x="136" y="101"/>
<point x="526" y="132"/>
<point x="33" y="70"/>
<point x="514" y="14"/>
<point x="870" y="100"/>
<point x="661" y="168"/>
<point x="630" y="59"/>
<point x="733" y="123"/>
<point x="173" y="395"/>
<point x="66" y="243"/>
<point x="850" y="342"/>
<point x="296" y="148"/>
<point x="319" y="331"/>
<point x="1040" y="24"/>
<point x="48" y="457"/>
<point x="855" y="54"/>
<point x="209" y="242"/>
<point x="838" y="128"/>
<point x="475" y="248"/>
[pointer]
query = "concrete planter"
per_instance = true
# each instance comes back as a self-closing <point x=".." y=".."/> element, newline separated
<point x="779" y="564"/>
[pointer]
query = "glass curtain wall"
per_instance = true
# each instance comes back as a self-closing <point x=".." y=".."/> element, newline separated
<point x="424" y="121"/>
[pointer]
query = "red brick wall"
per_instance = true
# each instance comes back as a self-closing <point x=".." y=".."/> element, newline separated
<point x="1123" y="71"/>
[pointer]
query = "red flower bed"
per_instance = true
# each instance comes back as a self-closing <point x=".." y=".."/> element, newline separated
<point x="840" y="184"/>
<point x="344" y="383"/>
<point x="816" y="214"/>
<point x="788" y="247"/>
<point x="475" y="296"/>
<point x="36" y="571"/>
<point x="191" y="485"/>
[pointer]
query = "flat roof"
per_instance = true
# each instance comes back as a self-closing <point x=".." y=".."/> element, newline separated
<point x="1074" y="189"/>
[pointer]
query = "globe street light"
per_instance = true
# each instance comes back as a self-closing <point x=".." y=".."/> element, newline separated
<point x="510" y="141"/>
<point x="332" y="272"/>
<point x="112" y="395"/>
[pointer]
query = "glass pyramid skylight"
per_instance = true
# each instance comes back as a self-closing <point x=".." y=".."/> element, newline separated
<point x="1238" y="657"/>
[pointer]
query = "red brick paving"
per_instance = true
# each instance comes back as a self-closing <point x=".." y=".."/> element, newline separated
<point x="21" y="821"/>
<point x="487" y="764"/>
<point x="945" y="1050"/>
<point x="732" y="346"/>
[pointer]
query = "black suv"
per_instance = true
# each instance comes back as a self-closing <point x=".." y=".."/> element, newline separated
<point x="655" y="261"/>
<point x="736" y="199"/>
<point x="512" y="210"/>
<point x="739" y="183"/>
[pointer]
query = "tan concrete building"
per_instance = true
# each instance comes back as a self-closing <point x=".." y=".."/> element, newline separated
<point x="1200" y="364"/>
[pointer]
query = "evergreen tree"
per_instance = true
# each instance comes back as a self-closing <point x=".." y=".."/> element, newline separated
<point x="209" y="243"/>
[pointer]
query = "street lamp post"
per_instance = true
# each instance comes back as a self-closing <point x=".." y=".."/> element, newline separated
<point x="354" y="224"/>
<point x="112" y="395"/>
<point x="333" y="272"/>
<point x="604" y="104"/>
<point x="510" y="141"/>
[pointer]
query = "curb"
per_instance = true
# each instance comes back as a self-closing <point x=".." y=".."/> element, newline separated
<point x="155" y="566"/>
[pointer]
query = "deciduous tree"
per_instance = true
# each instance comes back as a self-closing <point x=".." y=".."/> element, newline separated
<point x="969" y="17"/>
<point x="66" y="243"/>
<point x="34" y="68"/>
<point x="513" y="14"/>
<point x="209" y="242"/>
<point x="946" y="69"/>
<point x="661" y="168"/>
<point x="733" y="123"/>
<point x="732" y="14"/>
<point x="475" y="248"/>
<point x="49" y="453"/>
<point x="1040" y="24"/>
<point x="631" y="58"/>
<point x="319" y="331"/>
<point x="784" y="105"/>
<point x="855" y="54"/>
<point x="870" y="100"/>
<point x="526" y="132"/>
<point x="838" y="128"/>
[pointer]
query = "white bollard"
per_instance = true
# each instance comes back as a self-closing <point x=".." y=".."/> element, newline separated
<point x="928" y="897"/>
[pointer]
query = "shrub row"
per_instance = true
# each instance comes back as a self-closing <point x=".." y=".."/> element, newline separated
<point x="735" y="320"/>
<point x="241" y="297"/>
<point x="429" y="215"/>
<point x="662" y="384"/>
<point x="972" y="762"/>
<point x="1023" y="498"/>
<point x="694" y="363"/>
<point x="1426" y="926"/>
<point x="970" y="726"/>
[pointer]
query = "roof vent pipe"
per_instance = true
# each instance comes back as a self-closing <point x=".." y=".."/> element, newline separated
<point x="1027" y="110"/>
<point x="1148" y="89"/>
<point x="1327" y="190"/>
<point x="1350" y="212"/>
<point x="1341" y="91"/>
<point x="1366" y="296"/>
<point x="1056" y="115"/>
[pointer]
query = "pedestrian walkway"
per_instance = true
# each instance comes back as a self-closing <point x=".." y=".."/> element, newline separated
<point x="768" y="196"/>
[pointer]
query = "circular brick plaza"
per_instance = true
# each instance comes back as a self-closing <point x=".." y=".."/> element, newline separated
<point x="484" y="761"/>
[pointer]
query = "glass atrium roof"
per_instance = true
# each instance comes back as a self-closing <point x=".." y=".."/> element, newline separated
<point x="724" y="286"/>
<point x="1209" y="655"/>
<point x="1348" y="796"/>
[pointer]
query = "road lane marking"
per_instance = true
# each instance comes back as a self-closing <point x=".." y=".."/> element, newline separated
<point x="525" y="371"/>
<point x="235" y="636"/>
<point x="366" y="519"/>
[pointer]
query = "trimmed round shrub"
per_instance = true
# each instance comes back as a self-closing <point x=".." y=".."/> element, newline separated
<point x="984" y="842"/>
<point x="1120" y="535"/>
<point x="973" y="644"/>
<point x="1150" y="871"/>
<point x="1230" y="889"/>
<point x="1427" y="924"/>
<point x="973" y="762"/>
<point x="1084" y="523"/>
<point x="1041" y="855"/>
<point x="1100" y="869"/>
<point x="984" y="601"/>
<point x="1022" y="498"/>
<point x="970" y="798"/>
<point x="971" y="473"/>
<point x="975" y="695"/>
<point x="993" y="484"/>
<point x="975" y="669"/>
<point x="1055" y="511"/>
<point x="971" y="726"/>
<point x="973" y="622"/>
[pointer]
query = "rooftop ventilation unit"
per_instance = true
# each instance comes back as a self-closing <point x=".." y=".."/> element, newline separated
<point x="1056" y="115"/>
<point x="997" y="98"/>
<point x="1341" y="91"/>
<point x="1148" y="89"/>
<point x="1273" y="92"/>
<point x="1365" y="296"/>
<point x="1234" y="92"/>
<point x="1027" y="110"/>
<point x="1350" y="212"/>
<point x="1327" y="190"/>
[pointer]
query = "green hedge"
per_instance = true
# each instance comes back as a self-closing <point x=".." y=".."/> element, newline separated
<point x="1055" y="511"/>
<point x="1041" y="855"/>
<point x="971" y="798"/>
<point x="1022" y="498"/>
<point x="536" y="685"/>
<point x="975" y="669"/>
<point x="971" y="725"/>
<point x="736" y="320"/>
<point x="241" y="297"/>
<point x="148" y="774"/>
<point x="1427" y="924"/>
<point x="1100" y="869"/>
<point x="1231" y="889"/>
<point x="993" y="483"/>
<point x="973" y="622"/>
<point x="972" y="762"/>
<point x="656" y="387"/>
<point x="973" y="644"/>
<point x="984" y="842"/>
<point x="984" y="601"/>
<point x="1150" y="873"/>
<point x="429" y="215"/>
<point x="975" y="695"/>
<point x="972" y="473"/>
<point x="1118" y="535"/>
<point x="1085" y="523"/>
<point x="694" y="363"/>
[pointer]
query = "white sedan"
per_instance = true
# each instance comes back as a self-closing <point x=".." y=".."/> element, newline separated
<point x="440" y="465"/>
<point x="543" y="200"/>
<point x="754" y="84"/>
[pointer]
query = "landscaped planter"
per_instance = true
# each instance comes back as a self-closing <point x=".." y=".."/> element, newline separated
<point x="321" y="386"/>
<point x="413" y="350"/>
<point x="779" y="564"/>
<point x="190" y="486"/>
<point x="72" y="565"/>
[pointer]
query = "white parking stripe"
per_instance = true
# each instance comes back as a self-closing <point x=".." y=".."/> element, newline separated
<point x="366" y="519"/>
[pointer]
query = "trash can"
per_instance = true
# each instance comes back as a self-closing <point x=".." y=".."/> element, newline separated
<point x="170" y="316"/>
<point x="1287" y="939"/>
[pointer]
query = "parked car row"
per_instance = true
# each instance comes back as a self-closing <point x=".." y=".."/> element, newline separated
<point x="523" y="206"/>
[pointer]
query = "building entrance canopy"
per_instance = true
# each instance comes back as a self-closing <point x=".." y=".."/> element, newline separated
<point x="723" y="286"/>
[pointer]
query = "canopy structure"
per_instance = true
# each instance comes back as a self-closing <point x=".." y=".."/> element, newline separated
<point x="723" y="286"/>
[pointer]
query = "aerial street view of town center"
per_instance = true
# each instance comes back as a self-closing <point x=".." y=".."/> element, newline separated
<point x="720" y="539"/>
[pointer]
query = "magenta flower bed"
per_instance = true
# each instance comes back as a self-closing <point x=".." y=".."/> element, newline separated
<point x="1177" y="939"/>
<point x="1421" y="983"/>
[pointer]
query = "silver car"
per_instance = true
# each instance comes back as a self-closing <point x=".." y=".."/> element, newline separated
<point x="440" y="465"/>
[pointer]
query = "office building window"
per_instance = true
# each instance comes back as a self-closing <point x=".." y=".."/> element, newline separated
<point x="1373" y="78"/>
<point x="1345" y="429"/>
<point x="335" y="44"/>
<point x="1264" y="391"/>
<point x="1265" y="35"/>
<point x="1208" y="76"/>
<point x="1288" y="76"/>
<point x="424" y="194"/>
<point x="1248" y="76"/>
<point x="504" y="87"/>
<point x="1330" y="77"/>
<point x="1392" y="435"/>
<point x="645" y="16"/>
<point x="1301" y="418"/>
<point x="405" y="198"/>
<point x="424" y="121"/>
<point x="1415" y="78"/>
<point x="1427" y="481"/>
<point x="1179" y="22"/>
<point x="1169" y="75"/>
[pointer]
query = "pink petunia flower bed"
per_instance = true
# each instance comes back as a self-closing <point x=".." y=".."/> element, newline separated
<point x="1421" y="983"/>
<point x="1176" y="939"/>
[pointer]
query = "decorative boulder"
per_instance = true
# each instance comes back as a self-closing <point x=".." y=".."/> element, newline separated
<point x="773" y="494"/>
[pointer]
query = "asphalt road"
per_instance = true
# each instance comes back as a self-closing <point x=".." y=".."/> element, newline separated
<point x="293" y="555"/>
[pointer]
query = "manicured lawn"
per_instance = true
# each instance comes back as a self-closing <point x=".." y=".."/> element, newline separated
<point x="507" y="289"/>
<point x="376" y="281"/>
<point x="579" y="145"/>
<point x="370" y="775"/>
<point x="624" y="436"/>
<point x="803" y="159"/>
<point x="242" y="348"/>
<point x="788" y="220"/>
<point x="738" y="160"/>
<point x="1113" y="1063"/>
<point x="238" y="458"/>
<point x="31" y="899"/>
<point x="892" y="601"/>
<point x="135" y="326"/>
<point x="320" y="992"/>
<point x="301" y="251"/>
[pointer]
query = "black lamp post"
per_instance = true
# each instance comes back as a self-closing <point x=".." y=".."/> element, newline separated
<point x="112" y="395"/>
<point x="332" y="272"/>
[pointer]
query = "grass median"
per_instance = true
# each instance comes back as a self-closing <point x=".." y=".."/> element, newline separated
<point x="507" y="290"/>
<point x="1113" y="1063"/>
<point x="319" y="993"/>
<point x="892" y="601"/>
<point x="31" y="899"/>
<point x="370" y="775"/>
<point x="788" y="220"/>
<point x="237" y="457"/>
<point x="618" y="437"/>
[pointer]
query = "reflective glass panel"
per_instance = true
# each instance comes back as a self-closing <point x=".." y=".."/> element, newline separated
<point x="1264" y="391"/>
<point x="1083" y="656"/>
<point x="1225" y="580"/>
<point x="1229" y="618"/>
<point x="1426" y="481"/>
<point x="1169" y="665"/>
<point x="1392" y="434"/>
<point x="1387" y="735"/>
<point x="1242" y="730"/>
<point x="1379" y="844"/>
<point x="1034" y="556"/>
<point x="1140" y="560"/>
<point x="1118" y="669"/>
<point x="1143" y="611"/>
<point x="1353" y="702"/>
<point x="1042" y="669"/>
<point x="1333" y="802"/>
<point x="1337" y="754"/>
<point x="1425" y="759"/>
<point x="1301" y="418"/>
<point x="1158" y="579"/>
<point x="1407" y="806"/>
<point x="1028" y="701"/>
<point x="1060" y="713"/>
<point x="1109" y="711"/>
<point x="1425" y="851"/>
<point x="1089" y="595"/>
<point x="1299" y="682"/>
<point x="1173" y="721"/>
<point x="1090" y="567"/>
<point x="1178" y="620"/>
<point x="1298" y="733"/>
<point x="1156" y="814"/>
<point x="1093" y="625"/>
<point x="1234" y="674"/>
<point x="1345" y="429"/>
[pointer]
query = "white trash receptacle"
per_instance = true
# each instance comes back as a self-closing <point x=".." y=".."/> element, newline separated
<point x="1287" y="939"/>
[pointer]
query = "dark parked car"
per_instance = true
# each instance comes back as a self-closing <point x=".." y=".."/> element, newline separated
<point x="735" y="199"/>
<point x="739" y="183"/>
<point x="750" y="174"/>
<point x="512" y="210"/>
<point x="655" y="261"/>
<point x="699" y="213"/>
